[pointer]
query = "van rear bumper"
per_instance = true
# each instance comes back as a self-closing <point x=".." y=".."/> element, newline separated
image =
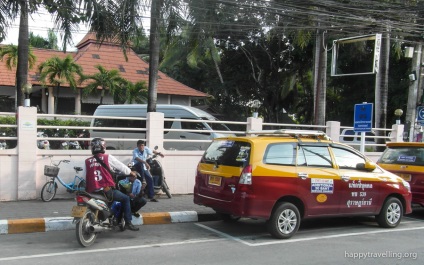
<point x="242" y="205"/>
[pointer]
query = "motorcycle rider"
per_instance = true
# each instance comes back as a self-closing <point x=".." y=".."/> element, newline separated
<point x="99" y="177"/>
<point x="140" y="155"/>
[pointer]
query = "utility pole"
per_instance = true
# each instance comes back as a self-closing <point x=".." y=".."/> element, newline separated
<point x="413" y="98"/>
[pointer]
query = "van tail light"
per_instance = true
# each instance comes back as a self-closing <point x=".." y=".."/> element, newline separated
<point x="245" y="182"/>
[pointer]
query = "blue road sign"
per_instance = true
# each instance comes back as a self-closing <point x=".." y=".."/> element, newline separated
<point x="363" y="117"/>
<point x="420" y="115"/>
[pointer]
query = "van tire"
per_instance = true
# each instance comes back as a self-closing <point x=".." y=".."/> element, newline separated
<point x="284" y="221"/>
<point x="391" y="213"/>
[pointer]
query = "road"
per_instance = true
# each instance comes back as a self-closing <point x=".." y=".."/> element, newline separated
<point x="319" y="241"/>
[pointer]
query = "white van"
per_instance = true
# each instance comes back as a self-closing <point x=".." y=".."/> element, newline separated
<point x="170" y="111"/>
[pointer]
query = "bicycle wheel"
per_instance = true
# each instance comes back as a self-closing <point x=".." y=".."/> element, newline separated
<point x="48" y="191"/>
<point x="81" y="185"/>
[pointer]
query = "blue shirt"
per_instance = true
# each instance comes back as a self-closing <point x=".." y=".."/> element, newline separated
<point x="136" y="187"/>
<point x="142" y="155"/>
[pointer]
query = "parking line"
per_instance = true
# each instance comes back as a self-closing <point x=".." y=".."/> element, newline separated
<point x="287" y="241"/>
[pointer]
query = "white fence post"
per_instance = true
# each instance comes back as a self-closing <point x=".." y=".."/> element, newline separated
<point x="27" y="152"/>
<point x="154" y="129"/>
<point x="397" y="133"/>
<point x="333" y="130"/>
<point x="254" y="124"/>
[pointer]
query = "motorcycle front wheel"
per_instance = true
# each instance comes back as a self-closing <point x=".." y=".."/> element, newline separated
<point x="165" y="189"/>
<point x="48" y="191"/>
<point x="85" y="236"/>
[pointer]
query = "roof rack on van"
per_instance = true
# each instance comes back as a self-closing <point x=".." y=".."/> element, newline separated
<point x="292" y="133"/>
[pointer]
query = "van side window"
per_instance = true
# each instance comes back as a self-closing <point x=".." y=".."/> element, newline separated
<point x="118" y="123"/>
<point x="194" y="126"/>
<point x="349" y="139"/>
<point x="280" y="154"/>
<point x="316" y="156"/>
<point x="346" y="159"/>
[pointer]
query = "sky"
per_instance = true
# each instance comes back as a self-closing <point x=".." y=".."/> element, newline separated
<point x="39" y="25"/>
<point x="42" y="21"/>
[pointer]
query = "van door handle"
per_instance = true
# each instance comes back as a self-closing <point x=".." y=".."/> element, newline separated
<point x="182" y="137"/>
<point x="302" y="175"/>
<point x="345" y="178"/>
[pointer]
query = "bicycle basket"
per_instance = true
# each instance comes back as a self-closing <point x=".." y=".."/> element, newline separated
<point x="51" y="171"/>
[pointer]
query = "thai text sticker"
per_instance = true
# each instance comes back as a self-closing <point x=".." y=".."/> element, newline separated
<point x="322" y="185"/>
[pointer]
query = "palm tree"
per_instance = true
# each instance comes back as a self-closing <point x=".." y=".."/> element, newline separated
<point x="10" y="53"/>
<point x="104" y="80"/>
<point x="56" y="71"/>
<point x="130" y="93"/>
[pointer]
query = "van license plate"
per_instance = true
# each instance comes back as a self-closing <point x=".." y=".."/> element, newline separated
<point x="406" y="177"/>
<point x="214" y="180"/>
<point x="78" y="211"/>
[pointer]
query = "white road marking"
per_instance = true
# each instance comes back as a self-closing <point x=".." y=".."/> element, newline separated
<point x="288" y="241"/>
<point x="192" y="241"/>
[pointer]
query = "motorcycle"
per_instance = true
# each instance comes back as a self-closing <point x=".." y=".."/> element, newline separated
<point x="94" y="214"/>
<point x="70" y="144"/>
<point x="3" y="144"/>
<point x="44" y="143"/>
<point x="156" y="170"/>
<point x="84" y="144"/>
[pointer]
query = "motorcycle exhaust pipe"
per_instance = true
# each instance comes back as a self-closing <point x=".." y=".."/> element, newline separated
<point x="98" y="228"/>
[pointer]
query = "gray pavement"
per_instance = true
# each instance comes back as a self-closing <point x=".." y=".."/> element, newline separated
<point x="62" y="207"/>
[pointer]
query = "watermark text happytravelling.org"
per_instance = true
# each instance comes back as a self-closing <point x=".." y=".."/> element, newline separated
<point x="385" y="254"/>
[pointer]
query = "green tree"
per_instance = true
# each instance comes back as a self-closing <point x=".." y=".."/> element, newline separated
<point x="130" y="93"/>
<point x="9" y="54"/>
<point x="105" y="80"/>
<point x="56" y="71"/>
<point x="40" y="42"/>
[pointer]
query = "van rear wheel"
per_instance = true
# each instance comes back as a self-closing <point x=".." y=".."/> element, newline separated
<point x="284" y="221"/>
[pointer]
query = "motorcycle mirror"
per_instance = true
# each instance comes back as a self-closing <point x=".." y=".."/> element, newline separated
<point x="156" y="147"/>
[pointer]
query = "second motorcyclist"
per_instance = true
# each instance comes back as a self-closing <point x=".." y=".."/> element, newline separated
<point x="140" y="155"/>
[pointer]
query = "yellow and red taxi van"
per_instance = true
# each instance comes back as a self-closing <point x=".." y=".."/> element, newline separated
<point x="290" y="175"/>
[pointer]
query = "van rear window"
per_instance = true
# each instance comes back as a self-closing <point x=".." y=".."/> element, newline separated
<point x="403" y="155"/>
<point x="227" y="153"/>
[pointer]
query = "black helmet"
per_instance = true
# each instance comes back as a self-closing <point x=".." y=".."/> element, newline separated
<point x="98" y="145"/>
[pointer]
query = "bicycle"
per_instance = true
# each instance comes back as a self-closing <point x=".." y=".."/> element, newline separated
<point x="49" y="189"/>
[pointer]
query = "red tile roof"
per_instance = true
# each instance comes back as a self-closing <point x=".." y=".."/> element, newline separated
<point x="110" y="56"/>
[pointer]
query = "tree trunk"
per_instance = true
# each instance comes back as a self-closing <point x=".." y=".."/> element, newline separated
<point x="23" y="54"/>
<point x="320" y="79"/>
<point x="154" y="54"/>
<point x="382" y="89"/>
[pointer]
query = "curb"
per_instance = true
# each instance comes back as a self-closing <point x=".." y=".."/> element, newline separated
<point x="17" y="226"/>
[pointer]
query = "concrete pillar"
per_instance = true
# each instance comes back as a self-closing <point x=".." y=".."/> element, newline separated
<point x="27" y="152"/>
<point x="254" y="124"/>
<point x="154" y="127"/>
<point x="333" y="130"/>
<point x="78" y="102"/>
<point x="50" y="101"/>
<point x="43" y="100"/>
<point x="397" y="133"/>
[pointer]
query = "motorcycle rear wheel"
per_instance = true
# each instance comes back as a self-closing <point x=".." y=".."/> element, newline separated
<point x="85" y="237"/>
<point x="165" y="189"/>
<point x="48" y="191"/>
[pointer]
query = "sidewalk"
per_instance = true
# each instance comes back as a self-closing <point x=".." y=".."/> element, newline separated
<point x="39" y="216"/>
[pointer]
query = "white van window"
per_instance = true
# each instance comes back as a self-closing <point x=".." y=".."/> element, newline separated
<point x="118" y="124"/>
<point x="280" y="154"/>
<point x="185" y="125"/>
